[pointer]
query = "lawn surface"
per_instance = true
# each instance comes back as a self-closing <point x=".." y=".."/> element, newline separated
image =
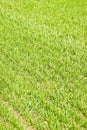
<point x="43" y="64"/>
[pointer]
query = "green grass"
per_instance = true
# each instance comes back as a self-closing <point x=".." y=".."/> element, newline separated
<point x="43" y="64"/>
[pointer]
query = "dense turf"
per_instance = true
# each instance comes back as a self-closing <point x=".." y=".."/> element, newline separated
<point x="43" y="64"/>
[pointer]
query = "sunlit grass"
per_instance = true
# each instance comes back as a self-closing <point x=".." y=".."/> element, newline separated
<point x="43" y="64"/>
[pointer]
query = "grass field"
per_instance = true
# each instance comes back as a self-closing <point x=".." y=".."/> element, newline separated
<point x="43" y="65"/>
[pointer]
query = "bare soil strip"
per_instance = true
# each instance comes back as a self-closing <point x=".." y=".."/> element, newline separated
<point x="17" y="114"/>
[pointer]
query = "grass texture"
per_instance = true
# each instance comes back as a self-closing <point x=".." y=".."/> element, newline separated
<point x="43" y="65"/>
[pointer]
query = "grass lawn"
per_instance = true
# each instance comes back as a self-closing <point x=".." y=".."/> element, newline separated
<point x="43" y="65"/>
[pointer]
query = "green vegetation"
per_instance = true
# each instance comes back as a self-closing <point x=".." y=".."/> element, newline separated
<point x="43" y="64"/>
